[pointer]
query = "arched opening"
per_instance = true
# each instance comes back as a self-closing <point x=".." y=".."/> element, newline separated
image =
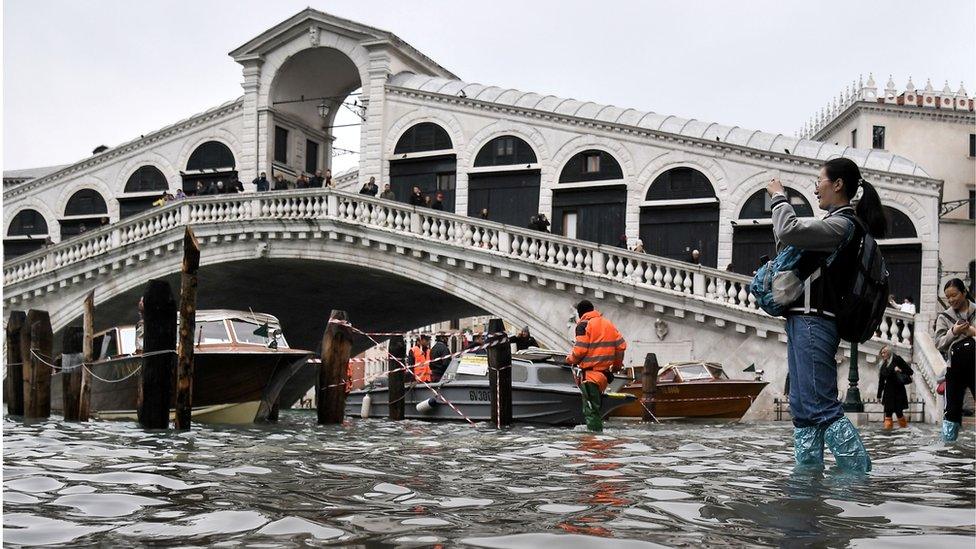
<point x="143" y="187"/>
<point x="27" y="232"/>
<point x="902" y="252"/>
<point x="590" y="202"/>
<point x="752" y="235"/>
<point x="424" y="157"/>
<point x="85" y="210"/>
<point x="211" y="162"/>
<point x="316" y="116"/>
<point x="680" y="214"/>
<point x="505" y="181"/>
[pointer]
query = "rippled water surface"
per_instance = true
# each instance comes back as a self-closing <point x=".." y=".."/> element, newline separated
<point x="374" y="483"/>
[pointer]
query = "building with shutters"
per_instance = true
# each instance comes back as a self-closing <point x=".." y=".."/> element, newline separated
<point x="602" y="173"/>
<point x="936" y="128"/>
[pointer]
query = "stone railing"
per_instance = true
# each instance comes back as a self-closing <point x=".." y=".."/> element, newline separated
<point x="642" y="271"/>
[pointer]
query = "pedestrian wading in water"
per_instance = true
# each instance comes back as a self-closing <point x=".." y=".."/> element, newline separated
<point x="955" y="329"/>
<point x="811" y="322"/>
<point x="598" y="352"/>
<point x="893" y="375"/>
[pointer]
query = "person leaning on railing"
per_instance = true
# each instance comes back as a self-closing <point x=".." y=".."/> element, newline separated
<point x="955" y="330"/>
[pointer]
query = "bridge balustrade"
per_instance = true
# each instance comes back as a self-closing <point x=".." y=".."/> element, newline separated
<point x="640" y="270"/>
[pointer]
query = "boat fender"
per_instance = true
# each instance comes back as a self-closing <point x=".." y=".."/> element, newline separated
<point x="427" y="405"/>
<point x="365" y="408"/>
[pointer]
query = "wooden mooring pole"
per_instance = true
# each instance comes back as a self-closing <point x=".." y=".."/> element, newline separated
<point x="499" y="375"/>
<point x="37" y="369"/>
<point x="87" y="351"/>
<point x="15" y="364"/>
<point x="397" y="350"/>
<point x="330" y="393"/>
<point x="158" y="362"/>
<point x="649" y="389"/>
<point x="72" y="364"/>
<point x="188" y="316"/>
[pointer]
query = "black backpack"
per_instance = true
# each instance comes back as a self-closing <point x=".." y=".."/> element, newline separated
<point x="861" y="307"/>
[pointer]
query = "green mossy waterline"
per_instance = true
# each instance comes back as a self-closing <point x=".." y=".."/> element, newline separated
<point x="376" y="481"/>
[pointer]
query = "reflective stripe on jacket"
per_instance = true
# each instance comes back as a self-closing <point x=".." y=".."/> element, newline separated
<point x="599" y="347"/>
<point x="421" y="363"/>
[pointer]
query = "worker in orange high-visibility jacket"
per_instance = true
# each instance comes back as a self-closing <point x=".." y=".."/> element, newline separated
<point x="419" y="359"/>
<point x="598" y="352"/>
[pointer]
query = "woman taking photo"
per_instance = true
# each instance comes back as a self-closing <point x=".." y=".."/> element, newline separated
<point x="811" y="327"/>
<point x="893" y="375"/>
<point x="955" y="329"/>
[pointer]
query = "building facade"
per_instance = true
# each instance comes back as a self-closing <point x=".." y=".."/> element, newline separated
<point x="602" y="173"/>
<point x="937" y="129"/>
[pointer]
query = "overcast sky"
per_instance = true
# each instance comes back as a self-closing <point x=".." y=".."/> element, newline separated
<point x="77" y="74"/>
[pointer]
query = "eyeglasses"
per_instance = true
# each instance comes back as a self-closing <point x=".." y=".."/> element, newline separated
<point x="817" y="181"/>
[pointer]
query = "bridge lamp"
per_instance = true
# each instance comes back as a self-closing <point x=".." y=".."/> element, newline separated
<point x="323" y="110"/>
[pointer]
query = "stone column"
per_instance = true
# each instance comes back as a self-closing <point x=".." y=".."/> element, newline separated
<point x="371" y="161"/>
<point x="249" y="165"/>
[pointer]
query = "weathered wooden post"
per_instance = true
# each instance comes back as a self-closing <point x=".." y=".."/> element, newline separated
<point x="88" y="355"/>
<point x="37" y="371"/>
<point x="649" y="383"/>
<point x="15" y="363"/>
<point x="397" y="350"/>
<point x="72" y="359"/>
<point x="158" y="361"/>
<point x="188" y="316"/>
<point x="499" y="375"/>
<point x="330" y="393"/>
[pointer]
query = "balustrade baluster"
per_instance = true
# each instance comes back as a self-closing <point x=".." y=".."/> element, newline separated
<point x="688" y="282"/>
<point x="668" y="278"/>
<point x="906" y="334"/>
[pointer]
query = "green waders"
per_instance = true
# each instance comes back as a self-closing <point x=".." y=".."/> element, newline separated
<point x="591" y="407"/>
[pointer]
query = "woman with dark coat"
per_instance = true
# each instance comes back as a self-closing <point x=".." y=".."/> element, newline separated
<point x="893" y="375"/>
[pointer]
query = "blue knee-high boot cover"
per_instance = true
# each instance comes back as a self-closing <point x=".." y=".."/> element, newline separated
<point x="845" y="443"/>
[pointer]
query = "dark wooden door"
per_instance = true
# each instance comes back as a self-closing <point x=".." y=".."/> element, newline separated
<point x="674" y="231"/>
<point x="423" y="173"/>
<point x="749" y="244"/>
<point x="600" y="213"/>
<point x="904" y="270"/>
<point x="510" y="197"/>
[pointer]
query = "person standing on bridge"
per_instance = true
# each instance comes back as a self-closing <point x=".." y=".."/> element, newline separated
<point x="598" y="352"/>
<point x="417" y="197"/>
<point x="812" y="337"/>
<point x="388" y="193"/>
<point x="262" y="182"/>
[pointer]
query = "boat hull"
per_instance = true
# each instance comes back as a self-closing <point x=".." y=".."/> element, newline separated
<point x="727" y="399"/>
<point x="228" y="386"/>
<point x="530" y="404"/>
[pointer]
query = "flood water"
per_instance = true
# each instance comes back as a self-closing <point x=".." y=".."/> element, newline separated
<point x="373" y="483"/>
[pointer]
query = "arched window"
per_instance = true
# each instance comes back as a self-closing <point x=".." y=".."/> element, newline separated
<point x="27" y="222"/>
<point x="505" y="150"/>
<point x="146" y="179"/>
<point x="903" y="255"/>
<point x="679" y="215"/>
<point x="679" y="184"/>
<point x="86" y="202"/>
<point x="752" y="238"/>
<point x="425" y="136"/>
<point x="211" y="155"/>
<point x="591" y="165"/>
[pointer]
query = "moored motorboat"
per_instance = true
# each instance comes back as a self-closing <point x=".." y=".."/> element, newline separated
<point x="241" y="363"/>
<point x="693" y="390"/>
<point x="543" y="391"/>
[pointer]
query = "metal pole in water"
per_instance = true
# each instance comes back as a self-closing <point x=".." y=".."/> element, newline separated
<point x="853" y="402"/>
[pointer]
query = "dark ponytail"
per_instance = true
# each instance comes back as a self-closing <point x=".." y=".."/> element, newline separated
<point x="869" y="208"/>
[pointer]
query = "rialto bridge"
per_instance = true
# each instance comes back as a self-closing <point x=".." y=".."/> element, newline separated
<point x="603" y="174"/>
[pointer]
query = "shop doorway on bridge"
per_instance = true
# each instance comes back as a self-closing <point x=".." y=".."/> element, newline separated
<point x="505" y="181"/>
<point x="752" y="233"/>
<point x="424" y="157"/>
<point x="210" y="163"/>
<point x="590" y="201"/>
<point x="27" y="232"/>
<point x="679" y="214"/>
<point x="145" y="186"/>
<point x="86" y="210"/>
<point x="902" y="251"/>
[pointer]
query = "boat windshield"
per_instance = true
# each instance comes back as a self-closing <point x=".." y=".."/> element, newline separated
<point x="692" y="372"/>
<point x="261" y="334"/>
<point x="127" y="340"/>
<point x="212" y="332"/>
<point x="106" y="345"/>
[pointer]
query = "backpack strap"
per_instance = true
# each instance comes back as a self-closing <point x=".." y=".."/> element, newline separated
<point x="808" y="283"/>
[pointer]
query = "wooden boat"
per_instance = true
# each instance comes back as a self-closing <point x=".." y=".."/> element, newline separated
<point x="693" y="390"/>
<point x="543" y="391"/>
<point x="241" y="363"/>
